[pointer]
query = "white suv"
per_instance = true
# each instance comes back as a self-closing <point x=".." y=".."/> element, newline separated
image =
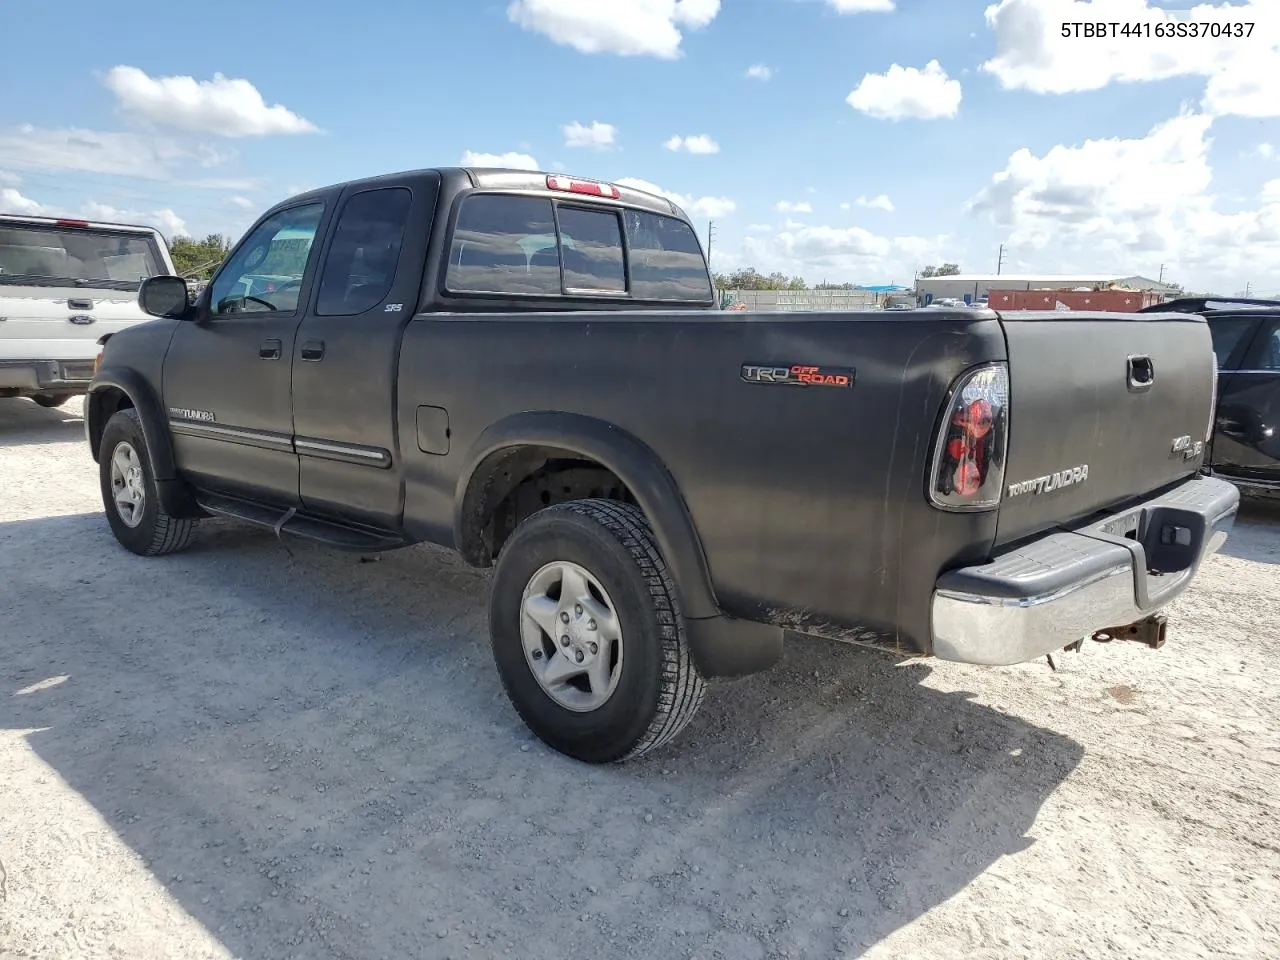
<point x="63" y="285"/>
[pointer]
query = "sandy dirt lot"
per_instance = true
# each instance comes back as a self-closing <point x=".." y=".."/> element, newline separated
<point x="243" y="751"/>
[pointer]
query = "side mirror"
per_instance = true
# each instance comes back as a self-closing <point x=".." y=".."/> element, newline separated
<point x="163" y="297"/>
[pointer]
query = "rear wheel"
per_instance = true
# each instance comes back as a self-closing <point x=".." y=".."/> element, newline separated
<point x="51" y="400"/>
<point x="129" y="493"/>
<point x="587" y="633"/>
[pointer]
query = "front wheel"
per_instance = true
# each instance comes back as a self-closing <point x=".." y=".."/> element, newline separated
<point x="129" y="493"/>
<point x="587" y="633"/>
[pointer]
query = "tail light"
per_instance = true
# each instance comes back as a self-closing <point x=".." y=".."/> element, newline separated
<point x="968" y="459"/>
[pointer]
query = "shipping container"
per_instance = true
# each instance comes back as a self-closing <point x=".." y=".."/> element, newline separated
<point x="1112" y="301"/>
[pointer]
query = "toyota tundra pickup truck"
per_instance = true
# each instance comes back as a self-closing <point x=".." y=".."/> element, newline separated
<point x="64" y="284"/>
<point x="529" y="368"/>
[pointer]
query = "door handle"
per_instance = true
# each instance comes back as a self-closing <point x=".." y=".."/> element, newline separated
<point x="313" y="350"/>
<point x="269" y="350"/>
<point x="1142" y="373"/>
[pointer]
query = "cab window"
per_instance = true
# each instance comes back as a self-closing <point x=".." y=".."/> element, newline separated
<point x="265" y="273"/>
<point x="360" y="266"/>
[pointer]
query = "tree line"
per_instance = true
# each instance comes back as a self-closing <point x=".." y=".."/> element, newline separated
<point x="749" y="278"/>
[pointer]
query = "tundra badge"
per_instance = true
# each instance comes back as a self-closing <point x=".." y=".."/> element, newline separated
<point x="1051" y="481"/>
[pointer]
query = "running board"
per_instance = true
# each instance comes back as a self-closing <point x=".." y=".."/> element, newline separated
<point x="332" y="534"/>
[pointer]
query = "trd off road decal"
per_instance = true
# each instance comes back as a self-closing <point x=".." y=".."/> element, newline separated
<point x="798" y="375"/>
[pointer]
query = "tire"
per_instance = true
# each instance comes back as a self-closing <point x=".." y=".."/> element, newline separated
<point x="51" y="400"/>
<point x="148" y="531"/>
<point x="655" y="687"/>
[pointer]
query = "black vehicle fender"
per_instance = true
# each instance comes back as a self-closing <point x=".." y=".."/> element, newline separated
<point x="722" y="646"/>
<point x="109" y="383"/>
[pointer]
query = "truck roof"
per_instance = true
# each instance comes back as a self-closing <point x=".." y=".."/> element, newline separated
<point x="531" y="181"/>
<point x="1211" y="305"/>
<point x="23" y="219"/>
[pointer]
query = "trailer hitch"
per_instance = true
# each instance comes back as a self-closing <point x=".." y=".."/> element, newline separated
<point x="1150" y="632"/>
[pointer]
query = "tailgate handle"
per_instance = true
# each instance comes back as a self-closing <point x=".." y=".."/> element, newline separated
<point x="1142" y="373"/>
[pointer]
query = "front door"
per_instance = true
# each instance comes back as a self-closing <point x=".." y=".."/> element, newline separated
<point x="227" y="374"/>
<point x="1246" y="442"/>
<point x="347" y="351"/>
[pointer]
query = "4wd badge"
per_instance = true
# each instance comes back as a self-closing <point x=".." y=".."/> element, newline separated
<point x="798" y="375"/>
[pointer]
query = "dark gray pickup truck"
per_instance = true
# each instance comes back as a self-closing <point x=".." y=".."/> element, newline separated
<point x="530" y="369"/>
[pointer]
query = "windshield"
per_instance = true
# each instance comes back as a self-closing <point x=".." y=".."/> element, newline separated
<point x="76" y="255"/>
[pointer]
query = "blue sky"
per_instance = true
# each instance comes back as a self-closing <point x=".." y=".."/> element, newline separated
<point x="899" y="133"/>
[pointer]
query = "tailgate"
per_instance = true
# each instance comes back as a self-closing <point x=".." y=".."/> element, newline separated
<point x="1085" y="431"/>
<point x="56" y="323"/>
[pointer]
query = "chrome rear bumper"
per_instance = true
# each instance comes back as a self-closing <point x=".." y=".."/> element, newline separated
<point x="1067" y="585"/>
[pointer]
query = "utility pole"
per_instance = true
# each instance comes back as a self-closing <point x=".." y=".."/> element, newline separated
<point x="1000" y="260"/>
<point x="711" y="232"/>
<point x="1161" y="278"/>
<point x="1247" y="288"/>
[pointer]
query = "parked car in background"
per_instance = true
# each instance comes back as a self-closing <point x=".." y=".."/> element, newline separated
<point x="1245" y="445"/>
<point x="63" y="285"/>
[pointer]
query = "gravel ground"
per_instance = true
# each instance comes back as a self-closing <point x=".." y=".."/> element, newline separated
<point x="247" y="751"/>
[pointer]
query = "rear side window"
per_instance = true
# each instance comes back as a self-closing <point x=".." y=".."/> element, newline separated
<point x="666" y="261"/>
<point x="361" y="263"/>
<point x="1228" y="334"/>
<point x="591" y="249"/>
<point x="504" y="245"/>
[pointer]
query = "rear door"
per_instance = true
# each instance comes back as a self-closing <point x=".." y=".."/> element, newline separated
<point x="1103" y="408"/>
<point x="348" y="348"/>
<point x="1246" y="441"/>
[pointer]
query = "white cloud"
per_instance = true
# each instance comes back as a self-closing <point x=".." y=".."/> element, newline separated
<point x="1130" y="205"/>
<point x="244" y="203"/>
<point x="861" y="6"/>
<point x="786" y="206"/>
<point x="1242" y="73"/>
<point x="759" y="71"/>
<point x="517" y="161"/>
<point x="224" y="106"/>
<point x="880" y="202"/>
<point x="165" y="220"/>
<point x="759" y="228"/>
<point x="598" y="136"/>
<point x="91" y="151"/>
<point x="845" y="206"/>
<point x="1264" y="151"/>
<point x="698" y="143"/>
<point x="837" y="254"/>
<point x="903" y="92"/>
<point x="11" y="201"/>
<point x="625" y="27"/>
<point x="8" y="177"/>
<point x="711" y="208"/>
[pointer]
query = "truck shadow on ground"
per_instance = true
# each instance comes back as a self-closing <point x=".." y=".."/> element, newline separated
<point x="22" y="422"/>
<point x="1253" y="537"/>
<point x="314" y="756"/>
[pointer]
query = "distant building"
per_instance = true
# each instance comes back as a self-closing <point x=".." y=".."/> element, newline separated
<point x="975" y="286"/>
